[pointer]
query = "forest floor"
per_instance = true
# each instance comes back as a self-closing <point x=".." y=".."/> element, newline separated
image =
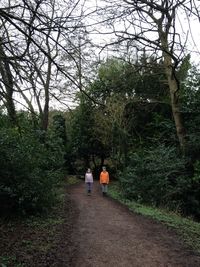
<point x="92" y="231"/>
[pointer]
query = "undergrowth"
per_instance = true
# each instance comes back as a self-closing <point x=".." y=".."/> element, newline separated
<point x="23" y="239"/>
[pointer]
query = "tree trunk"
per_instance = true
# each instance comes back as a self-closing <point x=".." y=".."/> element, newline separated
<point x="8" y="83"/>
<point x="86" y="162"/>
<point x="174" y="97"/>
<point x="94" y="162"/>
<point x="102" y="160"/>
<point x="173" y="90"/>
<point x="45" y="114"/>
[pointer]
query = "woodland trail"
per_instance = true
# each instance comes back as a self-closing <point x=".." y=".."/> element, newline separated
<point x="108" y="234"/>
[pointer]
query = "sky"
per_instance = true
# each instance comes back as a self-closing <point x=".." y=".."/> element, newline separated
<point x="189" y="28"/>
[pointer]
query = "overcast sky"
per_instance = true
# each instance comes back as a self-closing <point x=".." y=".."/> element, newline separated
<point x="185" y="27"/>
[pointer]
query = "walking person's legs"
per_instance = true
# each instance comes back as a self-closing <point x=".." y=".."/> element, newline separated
<point x="104" y="188"/>
<point x="89" y="188"/>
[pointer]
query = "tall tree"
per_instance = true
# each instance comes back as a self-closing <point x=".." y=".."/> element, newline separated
<point x="153" y="24"/>
<point x="33" y="34"/>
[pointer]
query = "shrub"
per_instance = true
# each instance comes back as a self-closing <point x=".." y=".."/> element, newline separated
<point x="158" y="176"/>
<point x="30" y="170"/>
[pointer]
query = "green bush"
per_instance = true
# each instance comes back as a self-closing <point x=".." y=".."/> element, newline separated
<point x="158" y="176"/>
<point x="30" y="170"/>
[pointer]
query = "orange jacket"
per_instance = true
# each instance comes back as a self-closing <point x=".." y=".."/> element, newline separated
<point x="104" y="177"/>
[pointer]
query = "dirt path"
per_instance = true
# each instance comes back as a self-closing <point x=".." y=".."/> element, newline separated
<point x="107" y="234"/>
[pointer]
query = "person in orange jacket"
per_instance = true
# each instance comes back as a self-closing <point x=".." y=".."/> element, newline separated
<point x="104" y="180"/>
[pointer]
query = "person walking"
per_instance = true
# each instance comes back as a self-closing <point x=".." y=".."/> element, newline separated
<point x="104" y="180"/>
<point x="89" y="181"/>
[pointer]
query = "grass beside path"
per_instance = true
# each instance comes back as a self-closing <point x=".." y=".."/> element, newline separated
<point x="186" y="228"/>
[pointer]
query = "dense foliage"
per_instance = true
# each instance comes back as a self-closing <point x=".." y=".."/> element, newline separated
<point x="157" y="177"/>
<point x="31" y="166"/>
<point x="133" y="124"/>
<point x="125" y="122"/>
